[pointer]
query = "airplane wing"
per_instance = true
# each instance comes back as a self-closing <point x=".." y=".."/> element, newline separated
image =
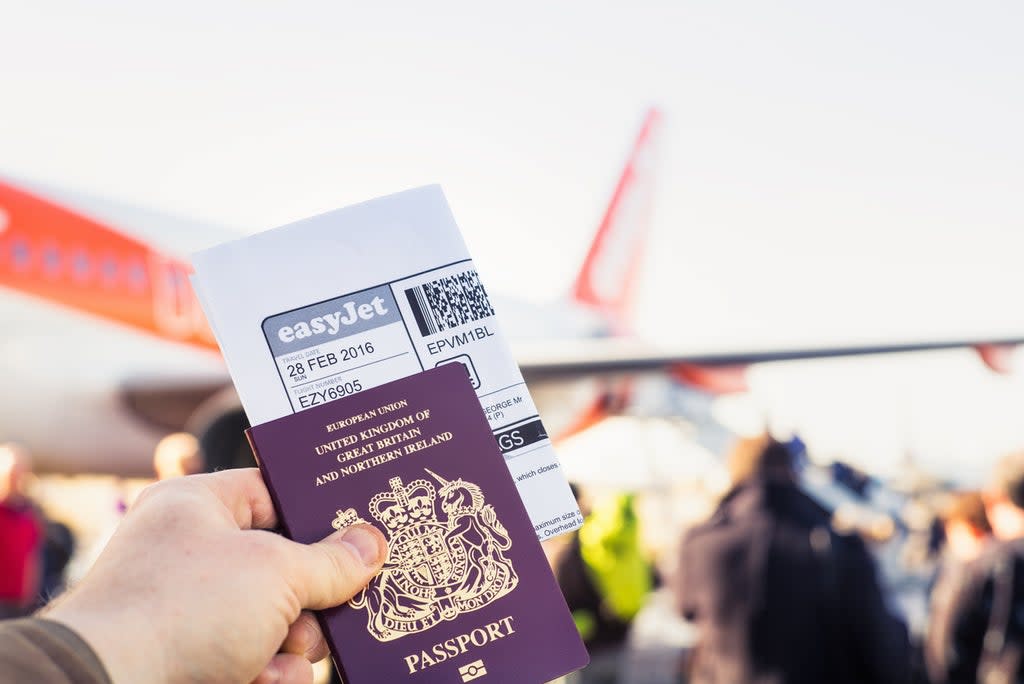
<point x="606" y="283"/>
<point x="623" y="356"/>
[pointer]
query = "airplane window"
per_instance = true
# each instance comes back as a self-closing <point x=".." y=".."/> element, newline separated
<point x="51" y="261"/>
<point x="81" y="266"/>
<point x="137" y="276"/>
<point x="109" y="271"/>
<point x="20" y="254"/>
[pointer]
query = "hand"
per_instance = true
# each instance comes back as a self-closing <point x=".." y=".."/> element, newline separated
<point x="192" y="588"/>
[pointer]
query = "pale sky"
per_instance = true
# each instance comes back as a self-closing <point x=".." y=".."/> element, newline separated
<point x="831" y="173"/>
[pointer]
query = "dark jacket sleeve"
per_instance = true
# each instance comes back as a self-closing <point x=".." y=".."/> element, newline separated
<point x="38" y="650"/>
<point x="957" y="626"/>
<point x="879" y="646"/>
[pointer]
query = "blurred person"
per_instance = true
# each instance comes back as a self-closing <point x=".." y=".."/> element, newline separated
<point x="58" y="548"/>
<point x="177" y="455"/>
<point x="965" y="526"/>
<point x="137" y="617"/>
<point x="605" y="578"/>
<point x="223" y="443"/>
<point x="21" y="535"/>
<point x="976" y="632"/>
<point x="777" y="595"/>
<point x="964" y="533"/>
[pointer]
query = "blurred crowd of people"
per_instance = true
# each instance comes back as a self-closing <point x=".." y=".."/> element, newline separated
<point x="35" y="551"/>
<point x="773" y="589"/>
<point x="778" y="593"/>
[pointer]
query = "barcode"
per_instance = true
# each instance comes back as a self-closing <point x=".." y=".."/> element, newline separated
<point x="449" y="302"/>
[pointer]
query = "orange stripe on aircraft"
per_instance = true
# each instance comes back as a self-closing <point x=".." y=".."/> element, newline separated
<point x="51" y="252"/>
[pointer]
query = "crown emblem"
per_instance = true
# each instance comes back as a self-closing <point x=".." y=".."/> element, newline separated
<point x="404" y="506"/>
<point x="445" y="557"/>
<point x="345" y="518"/>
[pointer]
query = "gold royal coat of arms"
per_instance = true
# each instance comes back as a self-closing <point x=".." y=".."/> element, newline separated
<point x="437" y="569"/>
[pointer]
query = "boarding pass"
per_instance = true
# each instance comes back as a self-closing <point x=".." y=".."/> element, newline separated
<point x="332" y="305"/>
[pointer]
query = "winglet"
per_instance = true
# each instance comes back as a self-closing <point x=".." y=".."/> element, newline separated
<point x="608" y="275"/>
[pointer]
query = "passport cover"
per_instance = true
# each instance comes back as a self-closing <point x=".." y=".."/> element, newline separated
<point x="466" y="593"/>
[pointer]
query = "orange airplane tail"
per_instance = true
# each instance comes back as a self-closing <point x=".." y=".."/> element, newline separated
<point x="607" y="279"/>
<point x="64" y="257"/>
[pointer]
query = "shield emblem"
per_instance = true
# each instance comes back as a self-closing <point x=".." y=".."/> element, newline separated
<point x="426" y="556"/>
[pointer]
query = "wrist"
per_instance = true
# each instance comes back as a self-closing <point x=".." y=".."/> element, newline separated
<point x="119" y="639"/>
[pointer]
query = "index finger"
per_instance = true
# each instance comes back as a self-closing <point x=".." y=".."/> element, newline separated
<point x="244" y="494"/>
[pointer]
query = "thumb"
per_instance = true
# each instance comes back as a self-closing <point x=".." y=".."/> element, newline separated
<point x="330" y="572"/>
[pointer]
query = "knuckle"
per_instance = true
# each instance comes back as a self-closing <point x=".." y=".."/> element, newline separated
<point x="166" y="490"/>
<point x="148" y="493"/>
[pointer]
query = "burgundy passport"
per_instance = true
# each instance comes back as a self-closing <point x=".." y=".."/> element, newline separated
<point x="466" y="593"/>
